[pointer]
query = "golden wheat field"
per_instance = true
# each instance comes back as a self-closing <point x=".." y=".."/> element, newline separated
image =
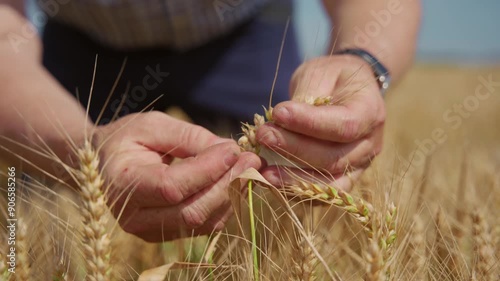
<point x="427" y="208"/>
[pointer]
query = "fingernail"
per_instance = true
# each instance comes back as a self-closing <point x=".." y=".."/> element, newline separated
<point x="281" y="114"/>
<point x="231" y="158"/>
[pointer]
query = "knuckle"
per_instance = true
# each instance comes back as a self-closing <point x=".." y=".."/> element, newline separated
<point x="171" y="192"/>
<point x="212" y="178"/>
<point x="312" y="124"/>
<point x="193" y="217"/>
<point x="349" y="128"/>
<point x="192" y="134"/>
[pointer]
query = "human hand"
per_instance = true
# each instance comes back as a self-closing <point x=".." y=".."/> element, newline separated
<point x="169" y="200"/>
<point x="340" y="138"/>
<point x="18" y="37"/>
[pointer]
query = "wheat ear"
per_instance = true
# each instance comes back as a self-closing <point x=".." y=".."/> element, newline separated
<point x="416" y="263"/>
<point x="360" y="210"/>
<point x="484" y="265"/>
<point x="304" y="260"/>
<point x="374" y="262"/>
<point x="248" y="142"/>
<point x="23" y="258"/>
<point x="95" y="238"/>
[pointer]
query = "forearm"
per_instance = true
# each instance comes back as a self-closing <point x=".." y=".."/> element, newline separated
<point x="35" y="109"/>
<point x="386" y="28"/>
<point x="17" y="5"/>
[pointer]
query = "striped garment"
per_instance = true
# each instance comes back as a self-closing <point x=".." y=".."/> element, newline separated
<point x="132" y="24"/>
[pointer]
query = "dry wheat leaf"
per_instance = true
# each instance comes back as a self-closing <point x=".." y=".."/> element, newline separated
<point x="159" y="273"/>
<point x="235" y="187"/>
<point x="251" y="174"/>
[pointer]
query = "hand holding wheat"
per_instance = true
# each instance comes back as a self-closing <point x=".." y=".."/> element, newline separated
<point x="342" y="136"/>
<point x="161" y="199"/>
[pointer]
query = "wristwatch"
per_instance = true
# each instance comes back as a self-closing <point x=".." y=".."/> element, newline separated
<point x="380" y="71"/>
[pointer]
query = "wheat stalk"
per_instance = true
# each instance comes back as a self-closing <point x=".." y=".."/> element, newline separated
<point x="95" y="239"/>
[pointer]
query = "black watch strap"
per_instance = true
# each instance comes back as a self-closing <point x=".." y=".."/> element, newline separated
<point x="380" y="71"/>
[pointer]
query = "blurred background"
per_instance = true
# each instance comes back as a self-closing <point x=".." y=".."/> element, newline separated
<point x="453" y="31"/>
<point x="458" y="49"/>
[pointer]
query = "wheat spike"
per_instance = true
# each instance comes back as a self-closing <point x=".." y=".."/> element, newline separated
<point x="304" y="260"/>
<point x="416" y="265"/>
<point x="22" y="248"/>
<point x="374" y="262"/>
<point x="248" y="142"/>
<point x="357" y="208"/>
<point x="95" y="240"/>
<point x="388" y="231"/>
<point x="484" y="265"/>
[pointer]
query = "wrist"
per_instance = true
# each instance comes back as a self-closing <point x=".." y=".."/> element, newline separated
<point x="379" y="70"/>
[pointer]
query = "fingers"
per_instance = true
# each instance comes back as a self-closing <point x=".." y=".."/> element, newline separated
<point x="203" y="212"/>
<point x="330" y="156"/>
<point x="197" y="209"/>
<point x="159" y="132"/>
<point x="331" y="123"/>
<point x="167" y="230"/>
<point x="163" y="185"/>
